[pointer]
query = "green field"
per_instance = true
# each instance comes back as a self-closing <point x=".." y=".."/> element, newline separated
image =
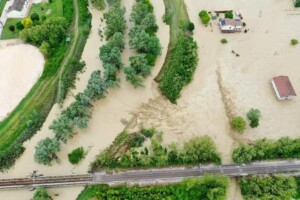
<point x="54" y="9"/>
<point x="2" y="5"/>
<point x="7" y="34"/>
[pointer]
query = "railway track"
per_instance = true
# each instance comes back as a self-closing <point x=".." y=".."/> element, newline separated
<point x="151" y="176"/>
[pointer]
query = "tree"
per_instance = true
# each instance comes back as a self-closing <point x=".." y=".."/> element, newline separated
<point x="253" y="115"/>
<point x="44" y="48"/>
<point x="99" y="4"/>
<point x="19" y="26"/>
<point x="297" y="3"/>
<point x="243" y="154"/>
<point x="41" y="194"/>
<point x="205" y="18"/>
<point x="27" y="22"/>
<point x="115" y="21"/>
<point x="190" y="26"/>
<point x="294" y="42"/>
<point x="35" y="17"/>
<point x="11" y="28"/>
<point x="229" y="14"/>
<point x="149" y="23"/>
<point x="76" y="155"/>
<point x="96" y="86"/>
<point x="46" y="150"/>
<point x="133" y="77"/>
<point x="238" y="124"/>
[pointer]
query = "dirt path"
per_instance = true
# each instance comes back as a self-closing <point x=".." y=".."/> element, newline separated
<point x="75" y="26"/>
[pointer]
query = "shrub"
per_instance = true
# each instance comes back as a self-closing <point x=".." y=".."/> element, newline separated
<point x="297" y="3"/>
<point x="294" y="42"/>
<point x="238" y="124"/>
<point x="229" y="14"/>
<point x="34" y="17"/>
<point x="224" y="41"/>
<point x="204" y="16"/>
<point x="191" y="26"/>
<point x="76" y="155"/>
<point x="253" y="115"/>
<point x="11" y="28"/>
<point x="41" y="194"/>
<point x="148" y="132"/>
<point x="27" y="22"/>
<point x="19" y="26"/>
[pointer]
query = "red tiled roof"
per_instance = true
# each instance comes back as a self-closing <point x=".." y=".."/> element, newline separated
<point x="284" y="86"/>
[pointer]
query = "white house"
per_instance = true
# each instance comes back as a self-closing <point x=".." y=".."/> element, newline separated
<point x="18" y="9"/>
<point x="230" y="25"/>
<point x="283" y="88"/>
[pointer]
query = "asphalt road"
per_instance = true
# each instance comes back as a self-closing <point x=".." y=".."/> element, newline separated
<point x="150" y="176"/>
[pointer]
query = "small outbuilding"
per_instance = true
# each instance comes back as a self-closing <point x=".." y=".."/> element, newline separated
<point x="283" y="88"/>
<point x="230" y="25"/>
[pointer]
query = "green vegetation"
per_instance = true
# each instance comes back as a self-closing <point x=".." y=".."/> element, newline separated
<point x="79" y="112"/>
<point x="2" y="5"/>
<point x="52" y="9"/>
<point x="125" y="152"/>
<point x="294" y="42"/>
<point x="182" y="57"/>
<point x="270" y="187"/>
<point x="8" y="34"/>
<point x="205" y="188"/>
<point x="229" y="14"/>
<point x="253" y="115"/>
<point x="46" y="150"/>
<point x="224" y="41"/>
<point x="297" y="3"/>
<point x="238" y="124"/>
<point x="41" y="194"/>
<point x="144" y="40"/>
<point x="76" y="155"/>
<point x="110" y="53"/>
<point x="204" y="16"/>
<point x="28" y="117"/>
<point x="265" y="149"/>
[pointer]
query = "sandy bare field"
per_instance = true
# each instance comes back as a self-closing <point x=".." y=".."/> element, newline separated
<point x="21" y="65"/>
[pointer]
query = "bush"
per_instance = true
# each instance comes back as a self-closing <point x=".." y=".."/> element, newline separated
<point x="148" y="132"/>
<point x="238" y="124"/>
<point x="34" y="17"/>
<point x="11" y="28"/>
<point x="19" y="26"/>
<point x="191" y="26"/>
<point x="253" y="115"/>
<point x="76" y="155"/>
<point x="270" y="187"/>
<point x="294" y="42"/>
<point x="229" y="14"/>
<point x="297" y="3"/>
<point x="224" y="41"/>
<point x="41" y="194"/>
<point x="204" y="16"/>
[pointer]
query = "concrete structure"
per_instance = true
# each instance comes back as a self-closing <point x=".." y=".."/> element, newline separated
<point x="283" y="88"/>
<point x="230" y="25"/>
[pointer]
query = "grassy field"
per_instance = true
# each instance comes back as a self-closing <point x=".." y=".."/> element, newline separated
<point x="54" y="9"/>
<point x="176" y="17"/>
<point x="2" y="5"/>
<point x="7" y="34"/>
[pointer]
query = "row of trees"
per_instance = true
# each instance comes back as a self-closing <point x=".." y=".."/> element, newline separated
<point x="75" y="116"/>
<point x="110" y="53"/>
<point x="208" y="187"/>
<point x="195" y="151"/>
<point x="144" y="40"/>
<point x="270" y="187"/>
<point x="265" y="149"/>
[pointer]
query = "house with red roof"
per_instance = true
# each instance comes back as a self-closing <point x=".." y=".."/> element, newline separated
<point x="283" y="88"/>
